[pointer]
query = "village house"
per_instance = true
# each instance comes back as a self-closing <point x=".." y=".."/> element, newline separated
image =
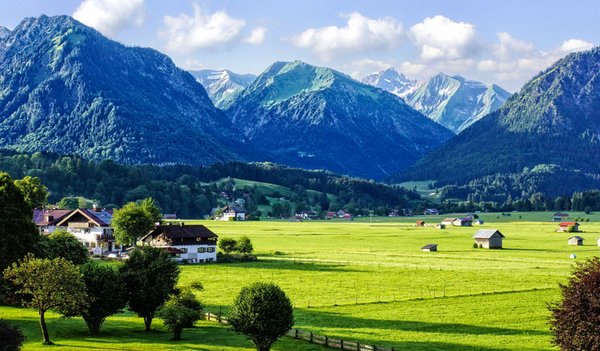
<point x="558" y="216"/>
<point x="330" y="215"/>
<point x="489" y="238"/>
<point x="348" y="217"/>
<point x="194" y="243"/>
<point x="430" y="248"/>
<point x="575" y="240"/>
<point x="448" y="221"/>
<point x="92" y="227"/>
<point x="394" y="213"/>
<point x="232" y="213"/>
<point x="568" y="227"/>
<point x="340" y="213"/>
<point x="463" y="222"/>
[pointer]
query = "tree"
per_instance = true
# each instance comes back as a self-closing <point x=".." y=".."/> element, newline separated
<point x="134" y="220"/>
<point x="11" y="338"/>
<point x="69" y="203"/>
<point x="18" y="234"/>
<point x="48" y="284"/>
<point x="35" y="193"/>
<point x="575" y="319"/>
<point x="244" y="245"/>
<point x="180" y="311"/>
<point x="228" y="245"/>
<point x="64" y="244"/>
<point x="150" y="276"/>
<point x="106" y="294"/>
<point x="262" y="312"/>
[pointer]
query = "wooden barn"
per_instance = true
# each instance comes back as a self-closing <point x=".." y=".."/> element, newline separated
<point x="564" y="227"/>
<point x="489" y="238"/>
<point x="440" y="226"/>
<point x="463" y="222"/>
<point x="576" y="240"/>
<point x="430" y="248"/>
<point x="420" y="223"/>
<point x="448" y="221"/>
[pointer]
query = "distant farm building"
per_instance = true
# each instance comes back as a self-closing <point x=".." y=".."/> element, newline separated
<point x="448" y="221"/>
<point x="440" y="226"/>
<point x="430" y="248"/>
<point x="576" y="240"/>
<point x="568" y="227"/>
<point x="431" y="211"/>
<point x="558" y="216"/>
<point x="330" y="215"/>
<point x="167" y="216"/>
<point x="598" y="242"/>
<point x="233" y="213"/>
<point x="340" y="213"/>
<point x="463" y="222"/>
<point x="348" y="217"/>
<point x="420" y="223"/>
<point x="489" y="238"/>
<point x="479" y="221"/>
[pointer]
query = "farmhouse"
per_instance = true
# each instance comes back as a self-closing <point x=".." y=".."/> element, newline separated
<point x="232" y="213"/>
<point x="479" y="221"/>
<point x="440" y="226"/>
<point x="194" y="243"/>
<point x="431" y="211"/>
<point x="448" y="221"/>
<point x="489" y="238"/>
<point x="463" y="222"/>
<point x="420" y="223"/>
<point x="576" y="240"/>
<point x="90" y="226"/>
<point x="340" y="213"/>
<point x="568" y="227"/>
<point x="430" y="248"/>
<point x="558" y="216"/>
<point x="348" y="217"/>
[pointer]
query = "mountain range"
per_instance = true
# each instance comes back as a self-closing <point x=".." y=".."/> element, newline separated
<point x="222" y="85"/>
<point x="552" y="123"/>
<point x="452" y="101"/>
<point x="67" y="89"/>
<point x="316" y="117"/>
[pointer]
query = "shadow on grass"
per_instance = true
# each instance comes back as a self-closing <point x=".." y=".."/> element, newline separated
<point x="337" y="320"/>
<point x="286" y="264"/>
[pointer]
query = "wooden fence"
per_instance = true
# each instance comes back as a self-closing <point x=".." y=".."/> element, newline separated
<point x="313" y="338"/>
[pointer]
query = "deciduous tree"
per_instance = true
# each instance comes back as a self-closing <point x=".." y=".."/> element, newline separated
<point x="135" y="220"/>
<point x="180" y="311"/>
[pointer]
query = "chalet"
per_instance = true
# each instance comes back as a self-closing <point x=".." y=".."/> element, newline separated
<point x="568" y="227"/>
<point x="232" y="213"/>
<point x="194" y="243"/>
<point x="330" y="215"/>
<point x="430" y="248"/>
<point x="340" y="213"/>
<point x="558" y="216"/>
<point x="440" y="226"/>
<point x="449" y="221"/>
<point x="420" y="223"/>
<point x="479" y="221"/>
<point x="348" y="217"/>
<point x="463" y="222"/>
<point x="431" y="212"/>
<point x="489" y="238"/>
<point x="90" y="226"/>
<point x="576" y="240"/>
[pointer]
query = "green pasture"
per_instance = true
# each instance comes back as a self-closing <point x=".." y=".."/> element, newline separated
<point x="369" y="281"/>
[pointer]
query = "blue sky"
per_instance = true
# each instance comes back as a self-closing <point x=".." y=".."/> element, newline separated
<point x="503" y="42"/>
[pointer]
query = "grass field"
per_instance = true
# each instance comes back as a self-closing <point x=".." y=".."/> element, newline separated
<point x="369" y="281"/>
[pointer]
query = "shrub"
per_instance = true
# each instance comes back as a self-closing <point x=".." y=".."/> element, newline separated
<point x="475" y="246"/>
<point x="263" y="312"/>
<point x="11" y="337"/>
<point x="575" y="319"/>
<point x="244" y="245"/>
<point x="179" y="312"/>
<point x="228" y="245"/>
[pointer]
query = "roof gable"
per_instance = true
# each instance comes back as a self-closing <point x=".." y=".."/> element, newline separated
<point x="487" y="234"/>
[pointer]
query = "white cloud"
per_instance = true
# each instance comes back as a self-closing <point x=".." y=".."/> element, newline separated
<point x="509" y="47"/>
<point x="191" y="64"/>
<point x="186" y="33"/>
<point x="574" y="45"/>
<point x="257" y="36"/>
<point x="358" y="35"/>
<point x="360" y="68"/>
<point x="440" y="38"/>
<point x="110" y="16"/>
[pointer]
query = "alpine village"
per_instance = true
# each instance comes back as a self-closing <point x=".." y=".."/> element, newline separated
<point x="391" y="175"/>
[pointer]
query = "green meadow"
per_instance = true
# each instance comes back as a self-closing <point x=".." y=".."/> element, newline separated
<point x="369" y="281"/>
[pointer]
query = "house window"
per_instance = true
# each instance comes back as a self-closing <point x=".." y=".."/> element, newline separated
<point x="201" y="250"/>
<point x="210" y="249"/>
<point x="184" y="250"/>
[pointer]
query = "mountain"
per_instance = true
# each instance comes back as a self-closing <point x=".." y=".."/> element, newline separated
<point x="65" y="88"/>
<point x="315" y="117"/>
<point x="222" y="85"/>
<point x="453" y="102"/>
<point x="392" y="81"/>
<point x="553" y="121"/>
<point x="4" y="32"/>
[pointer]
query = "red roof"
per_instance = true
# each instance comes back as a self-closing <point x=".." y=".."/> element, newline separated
<point x="566" y="224"/>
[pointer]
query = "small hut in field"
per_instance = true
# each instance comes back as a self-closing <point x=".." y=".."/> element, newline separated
<point x="576" y="240"/>
<point x="430" y="248"/>
<point x="489" y="238"/>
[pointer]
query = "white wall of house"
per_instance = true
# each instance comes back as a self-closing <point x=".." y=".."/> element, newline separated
<point x="239" y="216"/>
<point x="198" y="253"/>
<point x="89" y="237"/>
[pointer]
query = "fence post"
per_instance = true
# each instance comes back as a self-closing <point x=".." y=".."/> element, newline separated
<point x="326" y="340"/>
<point x="342" y="343"/>
<point x="296" y="336"/>
<point x="311" y="338"/>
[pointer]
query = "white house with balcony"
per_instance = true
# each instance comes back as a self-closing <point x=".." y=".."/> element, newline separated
<point x="194" y="243"/>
